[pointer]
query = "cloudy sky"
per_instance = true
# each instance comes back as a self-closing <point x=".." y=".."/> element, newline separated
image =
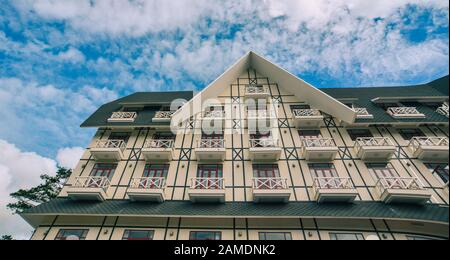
<point x="61" y="59"/>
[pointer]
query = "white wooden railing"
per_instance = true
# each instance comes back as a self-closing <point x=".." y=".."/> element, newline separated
<point x="373" y="141"/>
<point x="318" y="142"/>
<point x="263" y="143"/>
<point x="164" y="114"/>
<point x="417" y="142"/>
<point x="214" y="114"/>
<point x="333" y="183"/>
<point x="270" y="183"/>
<point x="398" y="183"/>
<point x="92" y="182"/>
<point x="306" y="112"/>
<point x="361" y="111"/>
<point x="108" y="144"/>
<point x="165" y="144"/>
<point x="148" y="183"/>
<point x="207" y="183"/>
<point x="123" y="115"/>
<point x="404" y="111"/>
<point x="211" y="143"/>
<point x="255" y="89"/>
<point x="443" y="110"/>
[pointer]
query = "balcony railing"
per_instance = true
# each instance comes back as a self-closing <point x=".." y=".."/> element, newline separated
<point x="163" y="115"/>
<point x="373" y="141"/>
<point x="92" y="182"/>
<point x="404" y="112"/>
<point x="207" y="183"/>
<point x="111" y="144"/>
<point x="214" y="114"/>
<point x="417" y="142"/>
<point x="398" y="183"/>
<point x="270" y="183"/>
<point x="362" y="112"/>
<point x="333" y="183"/>
<point x="443" y="110"/>
<point x="256" y="90"/>
<point x="306" y="112"/>
<point x="318" y="142"/>
<point x="159" y="144"/>
<point x="211" y="143"/>
<point x="123" y="116"/>
<point x="149" y="183"/>
<point x="263" y="143"/>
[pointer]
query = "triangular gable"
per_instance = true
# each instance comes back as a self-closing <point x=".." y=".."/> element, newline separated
<point x="291" y="83"/>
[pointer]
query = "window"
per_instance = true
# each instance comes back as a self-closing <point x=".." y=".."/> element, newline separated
<point x="163" y="136"/>
<point x="138" y="235"/>
<point x="359" y="133"/>
<point x="72" y="234"/>
<point x="439" y="170"/>
<point x="322" y="170"/>
<point x="214" y="136"/>
<point x="104" y="170"/>
<point x="323" y="174"/>
<point x="409" y="133"/>
<point x="205" y="235"/>
<point x="382" y="170"/>
<point x="209" y="176"/>
<point x="346" y="236"/>
<point x="119" y="136"/>
<point x="275" y="236"/>
<point x="266" y="171"/>
<point x="156" y="170"/>
<point x="294" y="107"/>
<point x="309" y="133"/>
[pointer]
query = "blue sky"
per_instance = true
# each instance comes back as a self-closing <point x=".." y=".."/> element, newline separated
<point x="61" y="59"/>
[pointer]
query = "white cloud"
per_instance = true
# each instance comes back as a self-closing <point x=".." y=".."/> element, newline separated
<point x="69" y="157"/>
<point x="45" y="117"/>
<point x="71" y="55"/>
<point x="18" y="170"/>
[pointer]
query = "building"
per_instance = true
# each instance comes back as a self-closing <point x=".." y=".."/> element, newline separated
<point x="260" y="154"/>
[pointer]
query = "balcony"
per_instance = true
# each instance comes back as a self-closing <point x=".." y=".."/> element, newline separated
<point x="207" y="190"/>
<point x="307" y="118"/>
<point x="218" y="114"/>
<point x="163" y="116"/>
<point x="404" y="112"/>
<point x="362" y="113"/>
<point x="89" y="188"/>
<point x="334" y="189"/>
<point x="264" y="150"/>
<point x="108" y="150"/>
<point x="158" y="150"/>
<point x="211" y="150"/>
<point x="319" y="149"/>
<point x="122" y="117"/>
<point x="147" y="189"/>
<point x="375" y="149"/>
<point x="443" y="110"/>
<point x="430" y="148"/>
<point x="257" y="92"/>
<point x="402" y="190"/>
<point x="270" y="190"/>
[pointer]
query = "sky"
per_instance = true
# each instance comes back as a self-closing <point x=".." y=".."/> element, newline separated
<point x="62" y="59"/>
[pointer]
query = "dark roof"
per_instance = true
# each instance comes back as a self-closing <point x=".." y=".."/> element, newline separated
<point x="379" y="210"/>
<point x="154" y="99"/>
<point x="364" y="96"/>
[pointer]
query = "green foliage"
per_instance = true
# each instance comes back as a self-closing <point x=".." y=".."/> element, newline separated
<point x="49" y="189"/>
<point x="6" y="237"/>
